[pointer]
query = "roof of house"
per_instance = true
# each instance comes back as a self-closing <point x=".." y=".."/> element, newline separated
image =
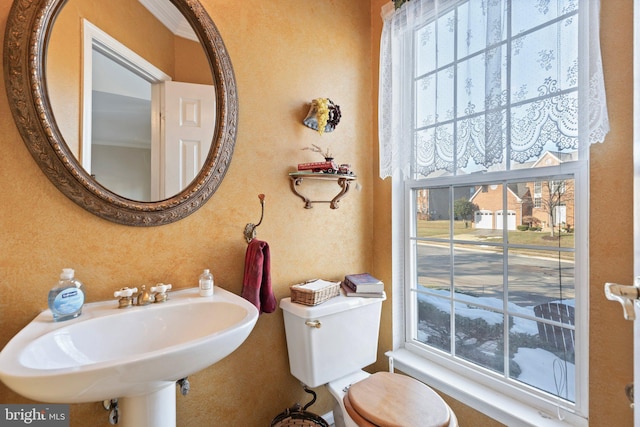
<point x="518" y="189"/>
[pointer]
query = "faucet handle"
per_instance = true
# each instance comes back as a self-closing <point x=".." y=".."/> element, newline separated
<point x="159" y="291"/>
<point x="160" y="288"/>
<point x="125" y="292"/>
<point x="126" y="296"/>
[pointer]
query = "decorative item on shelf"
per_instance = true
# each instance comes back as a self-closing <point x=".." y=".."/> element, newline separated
<point x="328" y="166"/>
<point x="326" y="154"/>
<point x="323" y="115"/>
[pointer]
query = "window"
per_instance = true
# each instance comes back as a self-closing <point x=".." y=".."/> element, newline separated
<point x="492" y="292"/>
<point x="556" y="187"/>
<point x="485" y="127"/>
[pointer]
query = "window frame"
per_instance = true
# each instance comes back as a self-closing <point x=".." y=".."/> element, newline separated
<point x="430" y="362"/>
<point x="520" y="405"/>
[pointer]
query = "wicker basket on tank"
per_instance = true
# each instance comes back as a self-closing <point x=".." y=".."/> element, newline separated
<point x="314" y="292"/>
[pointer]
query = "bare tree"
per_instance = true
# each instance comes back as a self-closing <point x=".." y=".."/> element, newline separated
<point x="556" y="193"/>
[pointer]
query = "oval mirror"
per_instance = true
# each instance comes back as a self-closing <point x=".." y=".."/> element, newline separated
<point x="128" y="106"/>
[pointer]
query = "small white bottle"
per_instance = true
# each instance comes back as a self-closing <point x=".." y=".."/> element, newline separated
<point x="67" y="297"/>
<point x="206" y="284"/>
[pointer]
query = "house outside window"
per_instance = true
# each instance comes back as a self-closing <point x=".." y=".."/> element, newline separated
<point x="493" y="274"/>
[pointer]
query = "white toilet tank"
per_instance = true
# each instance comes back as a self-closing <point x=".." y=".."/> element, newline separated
<point x="344" y="341"/>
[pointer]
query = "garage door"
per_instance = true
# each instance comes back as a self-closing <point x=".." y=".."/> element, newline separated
<point x="483" y="219"/>
<point x="511" y="220"/>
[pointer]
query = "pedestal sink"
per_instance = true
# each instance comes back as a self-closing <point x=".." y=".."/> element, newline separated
<point x="134" y="354"/>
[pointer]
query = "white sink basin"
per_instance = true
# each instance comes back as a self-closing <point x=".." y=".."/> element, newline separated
<point x="114" y="353"/>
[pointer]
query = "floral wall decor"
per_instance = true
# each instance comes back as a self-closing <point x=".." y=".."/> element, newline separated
<point x="323" y="115"/>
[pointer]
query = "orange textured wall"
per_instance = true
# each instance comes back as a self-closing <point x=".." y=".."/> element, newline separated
<point x="191" y="63"/>
<point x="285" y="53"/>
<point x="611" y="238"/>
<point x="611" y="228"/>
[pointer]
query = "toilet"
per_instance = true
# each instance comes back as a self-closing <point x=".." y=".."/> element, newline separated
<point x="329" y="345"/>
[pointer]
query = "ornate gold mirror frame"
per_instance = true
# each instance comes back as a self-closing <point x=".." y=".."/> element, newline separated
<point x="28" y="29"/>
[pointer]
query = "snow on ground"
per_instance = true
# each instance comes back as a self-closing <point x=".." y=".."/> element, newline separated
<point x="539" y="368"/>
<point x="471" y="310"/>
<point x="544" y="370"/>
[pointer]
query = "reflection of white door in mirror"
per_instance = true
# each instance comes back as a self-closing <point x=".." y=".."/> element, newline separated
<point x="144" y="136"/>
<point x="188" y="111"/>
<point x="117" y="114"/>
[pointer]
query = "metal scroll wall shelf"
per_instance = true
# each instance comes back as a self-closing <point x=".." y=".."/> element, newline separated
<point x="344" y="182"/>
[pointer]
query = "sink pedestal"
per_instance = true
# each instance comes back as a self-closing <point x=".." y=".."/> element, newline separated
<point x="157" y="409"/>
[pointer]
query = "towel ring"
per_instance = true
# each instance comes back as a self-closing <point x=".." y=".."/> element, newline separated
<point x="250" y="229"/>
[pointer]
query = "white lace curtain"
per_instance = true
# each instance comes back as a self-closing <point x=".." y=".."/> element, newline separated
<point x="486" y="84"/>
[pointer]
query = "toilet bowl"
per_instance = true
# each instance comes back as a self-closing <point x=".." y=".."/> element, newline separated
<point x="330" y="343"/>
<point x="387" y="399"/>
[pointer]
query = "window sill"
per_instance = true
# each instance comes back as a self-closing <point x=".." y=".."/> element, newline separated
<point x="498" y="406"/>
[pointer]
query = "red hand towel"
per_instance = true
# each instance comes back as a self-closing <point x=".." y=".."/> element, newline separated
<point x="256" y="285"/>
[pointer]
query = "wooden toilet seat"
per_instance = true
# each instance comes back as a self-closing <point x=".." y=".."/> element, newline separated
<point x="394" y="400"/>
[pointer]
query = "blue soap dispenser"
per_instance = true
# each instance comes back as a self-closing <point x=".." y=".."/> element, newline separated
<point x="67" y="297"/>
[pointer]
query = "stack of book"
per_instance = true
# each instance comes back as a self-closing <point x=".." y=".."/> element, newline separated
<point x="362" y="285"/>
